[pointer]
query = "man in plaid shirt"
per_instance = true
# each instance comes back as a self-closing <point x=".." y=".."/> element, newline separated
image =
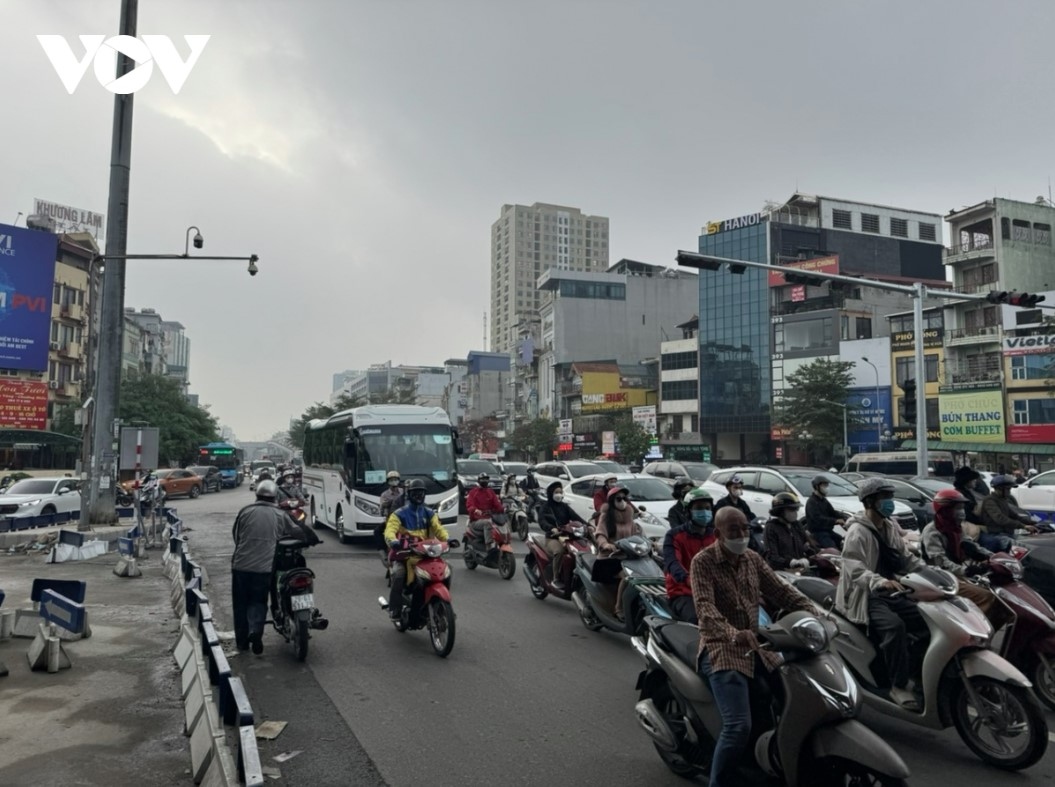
<point x="728" y="580"/>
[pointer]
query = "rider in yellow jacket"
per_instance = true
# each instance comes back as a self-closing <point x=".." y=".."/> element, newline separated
<point x="414" y="520"/>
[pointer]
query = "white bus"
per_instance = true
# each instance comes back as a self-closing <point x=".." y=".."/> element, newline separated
<point x="348" y="455"/>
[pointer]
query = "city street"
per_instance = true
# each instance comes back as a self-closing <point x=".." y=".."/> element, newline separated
<point x="528" y="696"/>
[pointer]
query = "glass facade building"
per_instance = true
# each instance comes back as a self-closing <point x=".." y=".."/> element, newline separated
<point x="736" y="388"/>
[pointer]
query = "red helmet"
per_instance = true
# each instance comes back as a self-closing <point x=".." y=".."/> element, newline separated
<point x="949" y="497"/>
<point x="615" y="490"/>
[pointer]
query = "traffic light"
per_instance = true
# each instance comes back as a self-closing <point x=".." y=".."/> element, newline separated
<point x="996" y="296"/>
<point x="1024" y="299"/>
<point x="908" y="402"/>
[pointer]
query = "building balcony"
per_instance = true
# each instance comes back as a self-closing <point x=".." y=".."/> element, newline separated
<point x="981" y="370"/>
<point x="809" y="305"/>
<point x="70" y="350"/>
<point x="958" y="337"/>
<point x="71" y="311"/>
<point x="976" y="250"/>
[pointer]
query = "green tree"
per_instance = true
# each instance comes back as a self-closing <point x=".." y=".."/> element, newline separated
<point x="535" y="438"/>
<point x="634" y="441"/>
<point x="478" y="436"/>
<point x="63" y="422"/>
<point x="159" y="401"/>
<point x="320" y="410"/>
<point x="804" y="406"/>
<point x="397" y="394"/>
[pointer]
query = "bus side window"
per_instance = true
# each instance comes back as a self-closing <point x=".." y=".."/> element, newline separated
<point x="349" y="458"/>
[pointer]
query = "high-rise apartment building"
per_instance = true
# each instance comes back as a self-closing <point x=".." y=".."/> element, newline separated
<point x="527" y="240"/>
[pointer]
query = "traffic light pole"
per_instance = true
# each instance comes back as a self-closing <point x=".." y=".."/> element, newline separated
<point x="922" y="449"/>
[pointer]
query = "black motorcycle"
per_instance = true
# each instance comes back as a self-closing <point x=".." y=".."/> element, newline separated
<point x="295" y="613"/>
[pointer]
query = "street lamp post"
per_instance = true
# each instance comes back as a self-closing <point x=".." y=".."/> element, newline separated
<point x="846" y="434"/>
<point x="805" y="438"/>
<point x="879" y="420"/>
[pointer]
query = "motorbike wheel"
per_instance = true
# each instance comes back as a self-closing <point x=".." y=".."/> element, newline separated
<point x="1043" y="685"/>
<point x="507" y="565"/>
<point x="470" y="557"/>
<point x="586" y="614"/>
<point x="300" y="639"/>
<point x="837" y="772"/>
<point x="538" y="591"/>
<point x="441" y="627"/>
<point x="690" y="759"/>
<point x="1019" y="720"/>
<point x="522" y="527"/>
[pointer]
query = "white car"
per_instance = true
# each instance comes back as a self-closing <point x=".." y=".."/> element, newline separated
<point x="652" y="497"/>
<point x="37" y="496"/>
<point x="1037" y="495"/>
<point x="565" y="472"/>
<point x="761" y="483"/>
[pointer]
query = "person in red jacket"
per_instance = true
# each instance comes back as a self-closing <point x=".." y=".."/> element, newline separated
<point x="680" y="546"/>
<point x="600" y="495"/>
<point x="482" y="503"/>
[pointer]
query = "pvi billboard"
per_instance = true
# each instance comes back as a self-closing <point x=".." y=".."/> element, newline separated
<point x="873" y="417"/>
<point x="27" y="277"/>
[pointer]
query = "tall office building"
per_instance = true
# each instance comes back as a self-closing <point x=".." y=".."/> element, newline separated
<point x="527" y="240"/>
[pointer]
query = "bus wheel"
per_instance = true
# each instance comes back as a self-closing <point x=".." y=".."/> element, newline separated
<point x="340" y="527"/>
<point x="314" y="519"/>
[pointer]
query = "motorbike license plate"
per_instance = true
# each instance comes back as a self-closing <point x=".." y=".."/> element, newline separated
<point x="303" y="601"/>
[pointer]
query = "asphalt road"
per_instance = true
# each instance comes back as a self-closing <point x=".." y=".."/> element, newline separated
<point x="528" y="695"/>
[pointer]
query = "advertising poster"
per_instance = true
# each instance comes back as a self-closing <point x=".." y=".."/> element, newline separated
<point x="27" y="276"/>
<point x="972" y="417"/>
<point x="23" y="404"/>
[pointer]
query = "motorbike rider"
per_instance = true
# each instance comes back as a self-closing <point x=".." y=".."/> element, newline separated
<point x="787" y="544"/>
<point x="392" y="499"/>
<point x="735" y="487"/>
<point x="511" y="488"/>
<point x="482" y="503"/>
<point x="874" y="555"/>
<point x="600" y="495"/>
<point x="417" y="521"/>
<point x="530" y="482"/>
<point x="553" y="515"/>
<point x="257" y="530"/>
<point x="1001" y="517"/>
<point x="821" y="517"/>
<point x="680" y="546"/>
<point x="679" y="512"/>
<point x="727" y="581"/>
<point x="965" y="481"/>
<point x="946" y="546"/>
<point x="616" y="521"/>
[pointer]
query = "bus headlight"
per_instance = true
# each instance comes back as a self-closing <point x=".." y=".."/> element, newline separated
<point x="367" y="507"/>
<point x="449" y="503"/>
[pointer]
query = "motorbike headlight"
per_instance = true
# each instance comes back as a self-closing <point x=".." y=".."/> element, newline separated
<point x="1013" y="567"/>
<point x="446" y="571"/>
<point x="449" y="503"/>
<point x="811" y="634"/>
<point x="367" y="507"/>
<point x="29" y="503"/>
<point x="434" y="550"/>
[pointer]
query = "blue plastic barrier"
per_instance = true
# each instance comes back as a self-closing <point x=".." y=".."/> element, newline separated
<point x="73" y="589"/>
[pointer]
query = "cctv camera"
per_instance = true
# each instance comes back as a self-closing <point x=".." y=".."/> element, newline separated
<point x="252" y="265"/>
<point x="199" y="241"/>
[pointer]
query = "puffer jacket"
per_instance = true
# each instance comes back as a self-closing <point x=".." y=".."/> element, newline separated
<point x="625" y="525"/>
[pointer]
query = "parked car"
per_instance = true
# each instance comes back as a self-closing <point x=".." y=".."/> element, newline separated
<point x="180" y="482"/>
<point x="761" y="483"/>
<point x="650" y="495"/>
<point x="856" y="476"/>
<point x="519" y="469"/>
<point x="469" y="469"/>
<point x="697" y="471"/>
<point x="548" y="472"/>
<point x="212" y="481"/>
<point x="608" y="466"/>
<point x="36" y="496"/>
<point x="1037" y="495"/>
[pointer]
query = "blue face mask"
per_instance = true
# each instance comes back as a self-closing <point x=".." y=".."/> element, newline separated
<point x="886" y="507"/>
<point x="702" y="516"/>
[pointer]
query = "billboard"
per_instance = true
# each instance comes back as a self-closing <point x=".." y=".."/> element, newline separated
<point x="23" y="404"/>
<point x="972" y="417"/>
<point x="1031" y="433"/>
<point x="906" y="340"/>
<point x="874" y="416"/>
<point x="1029" y="345"/>
<point x="645" y="417"/>
<point x="27" y="277"/>
<point x="818" y="265"/>
<point x="604" y="390"/>
<point x="70" y="219"/>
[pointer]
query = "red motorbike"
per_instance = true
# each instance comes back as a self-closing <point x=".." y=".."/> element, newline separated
<point x="295" y="508"/>
<point x="427" y="593"/>
<point x="499" y="555"/>
<point x="575" y="540"/>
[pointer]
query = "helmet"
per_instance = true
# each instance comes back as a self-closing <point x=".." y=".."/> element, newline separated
<point x="695" y="495"/>
<point x="818" y="480"/>
<point x="530" y="469"/>
<point x="681" y="485"/>
<point x="392" y="474"/>
<point x="483" y="478"/>
<point x="782" y="501"/>
<point x="1032" y="472"/>
<point x="735" y="480"/>
<point x="948" y="497"/>
<point x="615" y="490"/>
<point x="873" y="486"/>
<point x="267" y="489"/>
<point x="1002" y="480"/>
<point x="416" y="491"/>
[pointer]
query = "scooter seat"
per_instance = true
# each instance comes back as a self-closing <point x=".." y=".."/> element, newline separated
<point x="819" y="591"/>
<point x="682" y="639"/>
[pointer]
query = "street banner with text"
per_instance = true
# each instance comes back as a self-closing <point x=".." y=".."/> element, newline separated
<point x="23" y="404"/>
<point x="972" y="417"/>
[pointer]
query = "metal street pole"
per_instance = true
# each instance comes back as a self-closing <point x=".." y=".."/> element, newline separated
<point x="922" y="459"/>
<point x="846" y="433"/>
<point x="879" y="421"/>
<point x="99" y="507"/>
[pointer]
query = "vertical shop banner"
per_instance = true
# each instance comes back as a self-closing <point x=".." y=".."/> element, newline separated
<point x="27" y="277"/>
<point x="645" y="417"/>
<point x="23" y="404"/>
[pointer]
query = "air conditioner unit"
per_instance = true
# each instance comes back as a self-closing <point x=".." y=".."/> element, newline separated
<point x="54" y="345"/>
<point x="53" y="385"/>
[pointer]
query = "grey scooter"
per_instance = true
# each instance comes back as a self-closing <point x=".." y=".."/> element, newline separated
<point x="812" y="737"/>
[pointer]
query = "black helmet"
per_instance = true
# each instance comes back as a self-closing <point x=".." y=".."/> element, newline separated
<point x="818" y="480"/>
<point x="483" y="478"/>
<point x="783" y="501"/>
<point x="530" y="469"/>
<point x="416" y="491"/>
<point x="682" y="484"/>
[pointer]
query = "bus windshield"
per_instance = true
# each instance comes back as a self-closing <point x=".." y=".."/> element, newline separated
<point x="414" y="450"/>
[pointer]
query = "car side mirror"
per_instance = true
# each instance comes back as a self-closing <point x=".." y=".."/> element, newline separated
<point x="563" y="477"/>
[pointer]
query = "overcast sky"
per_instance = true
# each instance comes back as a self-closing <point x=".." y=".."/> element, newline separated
<point x="363" y="148"/>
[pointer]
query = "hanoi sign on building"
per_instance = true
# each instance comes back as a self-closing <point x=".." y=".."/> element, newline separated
<point x="750" y="220"/>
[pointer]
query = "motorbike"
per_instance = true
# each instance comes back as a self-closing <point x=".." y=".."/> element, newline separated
<point x="962" y="683"/>
<point x="515" y="509"/>
<point x="294" y="612"/>
<point x="533" y="500"/>
<point x="811" y="734"/>
<point x="645" y="592"/>
<point x="542" y="582"/>
<point x="476" y="553"/>
<point x="427" y="593"/>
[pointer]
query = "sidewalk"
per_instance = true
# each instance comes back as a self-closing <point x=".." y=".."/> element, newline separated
<point x="117" y="716"/>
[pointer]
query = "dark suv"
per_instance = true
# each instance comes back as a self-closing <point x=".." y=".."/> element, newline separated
<point x="211" y="479"/>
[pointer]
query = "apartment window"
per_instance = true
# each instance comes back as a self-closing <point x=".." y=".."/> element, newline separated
<point x="927" y="231"/>
<point x="844" y="327"/>
<point x="984" y="274"/>
<point x="864" y="328"/>
<point x="1028" y="317"/>
<point x="1020" y="231"/>
<point x="1042" y="234"/>
<point x="905" y="369"/>
<point x="899" y="228"/>
<point x="933" y="413"/>
<point x="842" y="219"/>
<point x="804" y="335"/>
<point x="682" y="360"/>
<point x="680" y="389"/>
<point x="869" y="222"/>
<point x="1039" y="366"/>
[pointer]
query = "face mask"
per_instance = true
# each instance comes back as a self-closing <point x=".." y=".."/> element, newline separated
<point x="823" y="489"/>
<point x="485" y="485"/>
<point x="557" y="497"/>
<point x="886" y="507"/>
<point x="736" y="545"/>
<point x="791" y="516"/>
<point x="959" y="515"/>
<point x="393" y="482"/>
<point x="735" y="493"/>
<point x="702" y="516"/>
<point x="620" y="504"/>
<point x="417" y="500"/>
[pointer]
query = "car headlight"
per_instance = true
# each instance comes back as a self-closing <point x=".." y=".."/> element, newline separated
<point x="449" y="503"/>
<point x="367" y="507"/>
<point x="811" y="634"/>
<point x="29" y="503"/>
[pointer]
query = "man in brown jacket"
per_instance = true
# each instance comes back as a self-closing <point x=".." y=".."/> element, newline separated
<point x="1001" y="518"/>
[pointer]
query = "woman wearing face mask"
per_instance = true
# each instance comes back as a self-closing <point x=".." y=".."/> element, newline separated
<point x="946" y="546"/>
<point x="735" y="487"/>
<point x="600" y="497"/>
<point x="821" y="517"/>
<point x="554" y="515"/>
<point x="681" y="545"/>
<point x="614" y="522"/>
<point x="787" y="544"/>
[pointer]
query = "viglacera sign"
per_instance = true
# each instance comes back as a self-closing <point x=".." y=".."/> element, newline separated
<point x="750" y="220"/>
<point x="974" y="417"/>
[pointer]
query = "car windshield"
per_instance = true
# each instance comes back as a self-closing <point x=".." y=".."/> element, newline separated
<point x="584" y="469"/>
<point x="414" y="450"/>
<point x="608" y="466"/>
<point x="164" y="473"/>
<point x="32" y="487"/>
<point x="837" y="487"/>
<point x="476" y="466"/>
<point x="198" y="470"/>
<point x="646" y="489"/>
<point x="699" y="471"/>
<point x="516" y="468"/>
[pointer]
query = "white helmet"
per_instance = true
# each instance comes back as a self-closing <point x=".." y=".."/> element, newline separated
<point x="1032" y="472"/>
